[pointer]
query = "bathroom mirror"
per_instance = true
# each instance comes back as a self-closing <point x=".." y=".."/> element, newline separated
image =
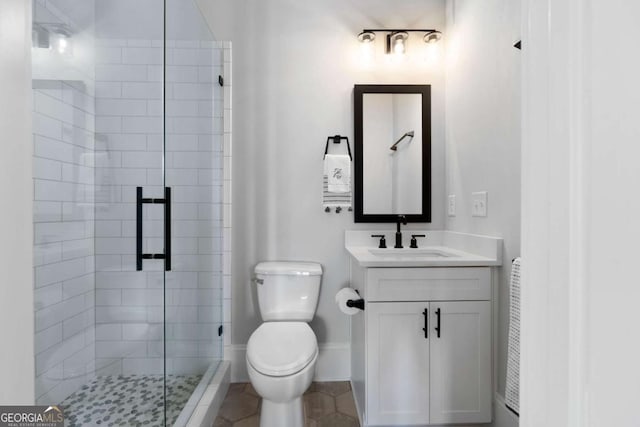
<point x="392" y="168"/>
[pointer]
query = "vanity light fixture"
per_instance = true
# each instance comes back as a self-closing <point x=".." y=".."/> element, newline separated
<point x="397" y="39"/>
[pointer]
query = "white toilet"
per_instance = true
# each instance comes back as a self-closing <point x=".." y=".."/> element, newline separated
<point x="282" y="352"/>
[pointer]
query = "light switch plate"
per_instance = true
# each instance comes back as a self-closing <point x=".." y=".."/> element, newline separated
<point x="451" y="206"/>
<point x="479" y="203"/>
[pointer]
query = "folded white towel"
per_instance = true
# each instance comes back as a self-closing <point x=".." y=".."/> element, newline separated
<point x="337" y="167"/>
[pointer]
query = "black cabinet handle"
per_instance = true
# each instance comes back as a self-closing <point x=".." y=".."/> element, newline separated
<point x="426" y="323"/>
<point x="437" y="328"/>
<point x="166" y="256"/>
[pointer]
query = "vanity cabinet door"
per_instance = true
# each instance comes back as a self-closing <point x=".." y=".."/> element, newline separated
<point x="460" y="386"/>
<point x="397" y="363"/>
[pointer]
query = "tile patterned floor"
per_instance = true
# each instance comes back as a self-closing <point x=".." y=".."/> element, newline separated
<point x="327" y="404"/>
<point x="132" y="400"/>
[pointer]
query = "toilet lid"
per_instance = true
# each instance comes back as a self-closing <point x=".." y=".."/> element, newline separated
<point x="278" y="349"/>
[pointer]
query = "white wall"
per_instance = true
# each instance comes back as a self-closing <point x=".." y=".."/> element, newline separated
<point x="483" y="131"/>
<point x="295" y="64"/>
<point x="16" y="193"/>
<point x="613" y="181"/>
<point x="580" y="229"/>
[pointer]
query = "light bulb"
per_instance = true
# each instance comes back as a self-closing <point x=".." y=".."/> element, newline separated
<point x="62" y="44"/>
<point x="367" y="48"/>
<point x="367" y="53"/>
<point x="398" y="46"/>
<point x="432" y="53"/>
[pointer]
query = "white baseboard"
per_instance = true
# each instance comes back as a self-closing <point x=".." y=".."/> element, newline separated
<point x="502" y="416"/>
<point x="334" y="363"/>
<point x="359" y="410"/>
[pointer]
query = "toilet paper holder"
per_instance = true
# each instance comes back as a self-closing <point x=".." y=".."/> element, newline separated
<point x="357" y="303"/>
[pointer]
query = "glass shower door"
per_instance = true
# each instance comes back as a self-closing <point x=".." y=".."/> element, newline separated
<point x="129" y="171"/>
<point x="193" y="170"/>
<point x="98" y="69"/>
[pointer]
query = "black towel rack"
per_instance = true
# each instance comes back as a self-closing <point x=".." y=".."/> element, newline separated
<point x="336" y="140"/>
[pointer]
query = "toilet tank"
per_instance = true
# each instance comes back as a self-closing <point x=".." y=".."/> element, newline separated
<point x="288" y="290"/>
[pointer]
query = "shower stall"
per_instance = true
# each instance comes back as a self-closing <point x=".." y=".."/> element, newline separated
<point x="128" y="112"/>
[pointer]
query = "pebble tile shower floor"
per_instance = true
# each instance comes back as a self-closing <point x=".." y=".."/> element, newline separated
<point x="328" y="404"/>
<point x="129" y="400"/>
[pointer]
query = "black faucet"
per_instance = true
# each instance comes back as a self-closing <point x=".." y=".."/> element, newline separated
<point x="401" y="219"/>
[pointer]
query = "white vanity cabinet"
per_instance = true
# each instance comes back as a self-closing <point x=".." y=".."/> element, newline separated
<point x="421" y="351"/>
<point x="397" y="364"/>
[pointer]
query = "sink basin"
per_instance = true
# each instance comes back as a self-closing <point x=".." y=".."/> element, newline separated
<point x="441" y="249"/>
<point x="410" y="253"/>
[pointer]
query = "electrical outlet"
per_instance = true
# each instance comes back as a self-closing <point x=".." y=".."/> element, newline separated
<point x="479" y="203"/>
<point x="451" y="206"/>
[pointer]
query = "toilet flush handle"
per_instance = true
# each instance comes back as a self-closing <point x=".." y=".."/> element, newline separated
<point x="258" y="280"/>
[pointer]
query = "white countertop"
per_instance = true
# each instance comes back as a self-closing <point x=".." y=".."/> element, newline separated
<point x="448" y="249"/>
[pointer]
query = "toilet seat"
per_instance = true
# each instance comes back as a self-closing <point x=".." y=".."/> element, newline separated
<point x="279" y="349"/>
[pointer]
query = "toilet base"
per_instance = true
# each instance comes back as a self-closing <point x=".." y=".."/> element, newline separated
<point x="287" y="414"/>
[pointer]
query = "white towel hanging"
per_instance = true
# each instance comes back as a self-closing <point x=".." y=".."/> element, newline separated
<point x="512" y="392"/>
<point x="338" y="171"/>
<point x="336" y="181"/>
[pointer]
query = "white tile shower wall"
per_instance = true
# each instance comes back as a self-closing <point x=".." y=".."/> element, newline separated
<point x="129" y="304"/>
<point x="63" y="160"/>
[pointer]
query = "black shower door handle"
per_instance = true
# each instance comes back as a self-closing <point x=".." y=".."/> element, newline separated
<point x="166" y="256"/>
<point x="167" y="228"/>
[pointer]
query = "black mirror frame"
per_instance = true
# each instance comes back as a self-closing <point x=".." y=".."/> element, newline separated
<point x="358" y="92"/>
